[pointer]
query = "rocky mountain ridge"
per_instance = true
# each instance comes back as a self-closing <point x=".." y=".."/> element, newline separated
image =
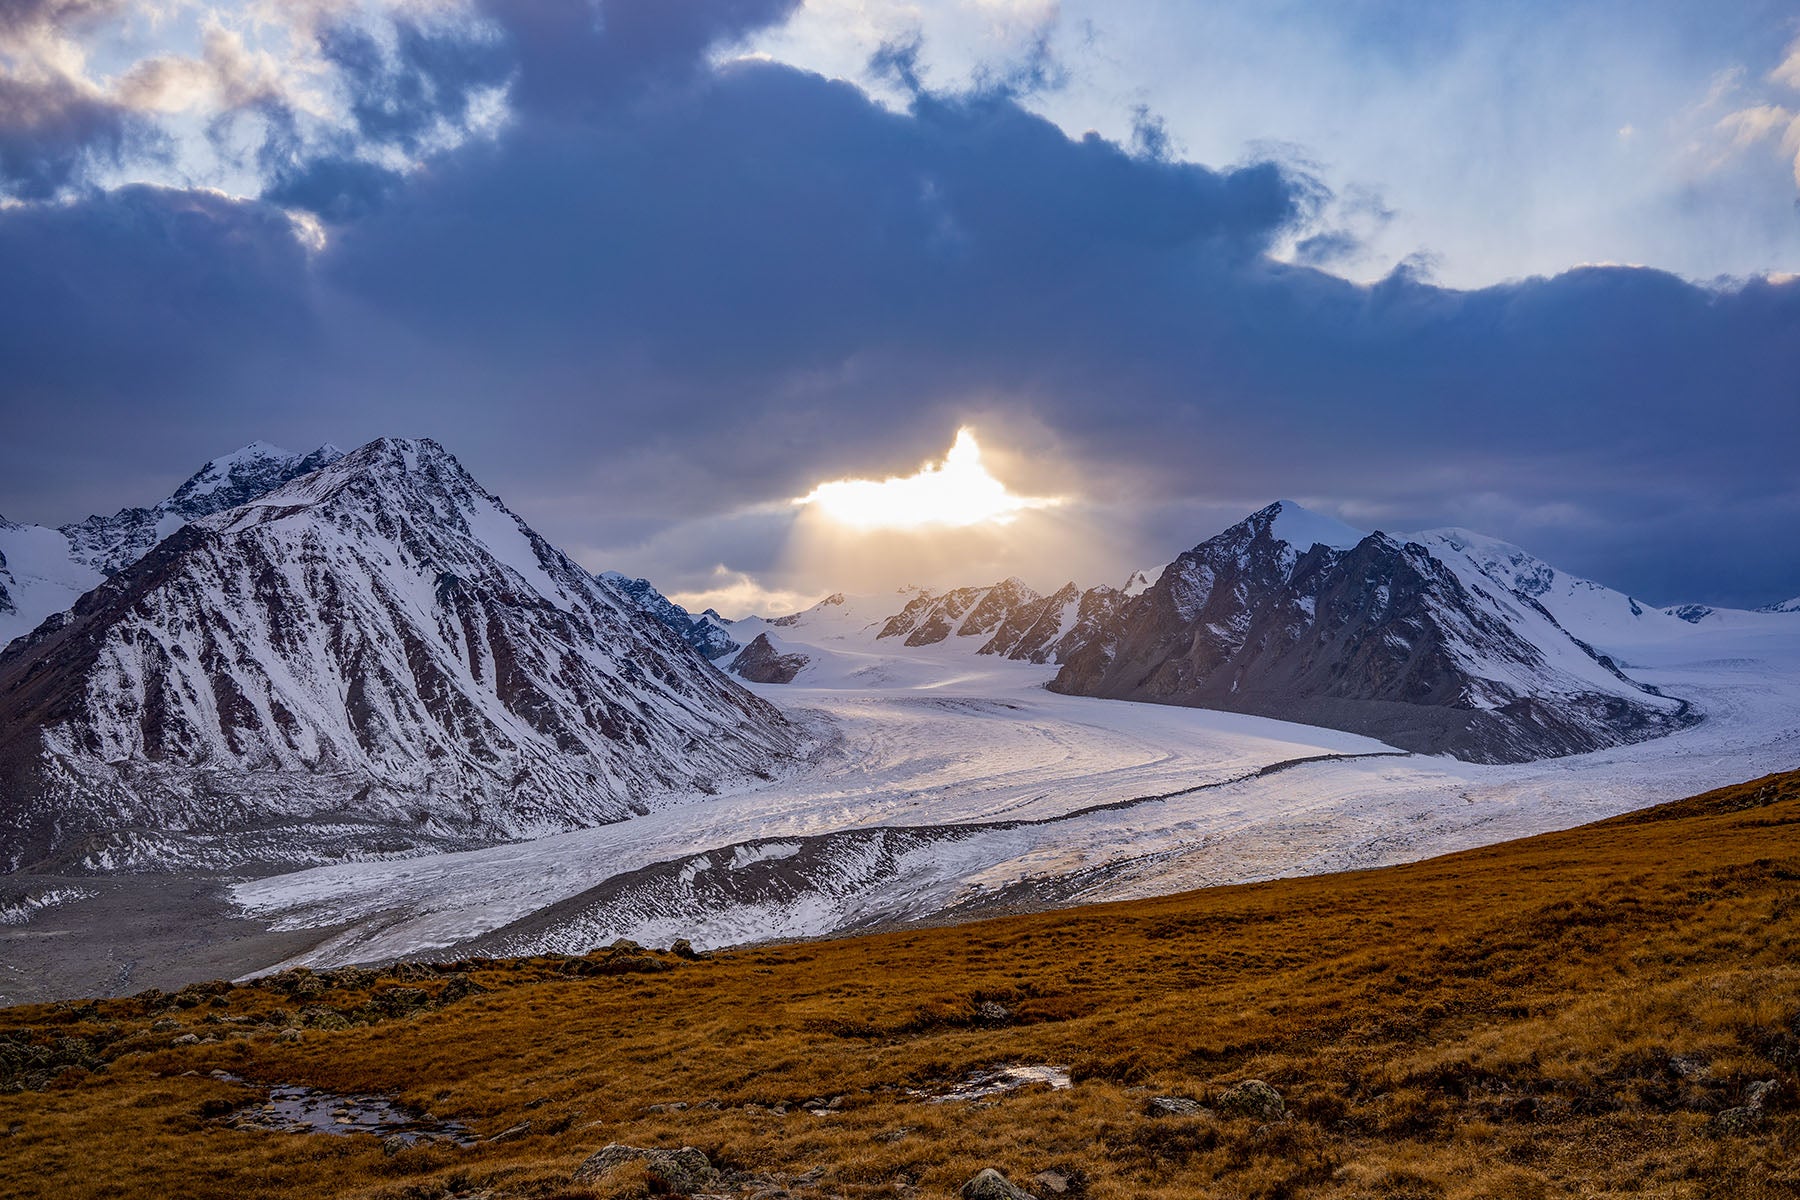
<point x="708" y="633"/>
<point x="44" y="570"/>
<point x="1376" y="636"/>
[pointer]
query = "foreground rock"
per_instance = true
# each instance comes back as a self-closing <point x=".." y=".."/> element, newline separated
<point x="681" y="1172"/>
<point x="1253" y="1098"/>
<point x="990" y="1184"/>
<point x="1749" y="1115"/>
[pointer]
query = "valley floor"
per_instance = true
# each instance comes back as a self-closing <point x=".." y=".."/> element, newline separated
<point x="1015" y="797"/>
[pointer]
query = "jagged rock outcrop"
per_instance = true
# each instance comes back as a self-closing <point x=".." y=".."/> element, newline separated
<point x="761" y="662"/>
<point x="706" y="633"/>
<point x="374" y="657"/>
<point x="969" y="612"/>
<point x="1290" y="615"/>
<point x="1050" y="630"/>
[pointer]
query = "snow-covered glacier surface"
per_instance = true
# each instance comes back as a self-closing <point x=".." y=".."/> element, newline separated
<point x="955" y="783"/>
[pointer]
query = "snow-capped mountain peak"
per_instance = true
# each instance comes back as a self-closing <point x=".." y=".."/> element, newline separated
<point x="1285" y="614"/>
<point x="1302" y="528"/>
<point x="1139" y="582"/>
<point x="375" y="655"/>
<point x="109" y="544"/>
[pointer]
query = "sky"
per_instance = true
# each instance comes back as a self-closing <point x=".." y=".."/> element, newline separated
<point x="655" y="269"/>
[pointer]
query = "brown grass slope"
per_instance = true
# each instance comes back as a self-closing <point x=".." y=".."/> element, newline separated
<point x="1564" y="1015"/>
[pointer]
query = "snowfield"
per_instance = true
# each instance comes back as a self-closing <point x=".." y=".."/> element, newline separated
<point x="952" y="781"/>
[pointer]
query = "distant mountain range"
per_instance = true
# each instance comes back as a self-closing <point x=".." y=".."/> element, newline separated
<point x="1440" y="642"/>
<point x="372" y="657"/>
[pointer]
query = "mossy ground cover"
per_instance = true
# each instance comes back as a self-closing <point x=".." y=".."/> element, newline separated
<point x="1566" y="1015"/>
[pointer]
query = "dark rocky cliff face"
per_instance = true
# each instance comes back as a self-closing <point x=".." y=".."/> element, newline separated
<point x="761" y="662"/>
<point x="1379" y="639"/>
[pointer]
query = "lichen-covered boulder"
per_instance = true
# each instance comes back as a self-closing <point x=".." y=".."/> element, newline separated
<point x="1253" y="1098"/>
<point x="989" y="1184"/>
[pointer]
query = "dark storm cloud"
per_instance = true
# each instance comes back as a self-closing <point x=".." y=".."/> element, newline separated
<point x="667" y="289"/>
<point x="429" y="77"/>
<point x="51" y="134"/>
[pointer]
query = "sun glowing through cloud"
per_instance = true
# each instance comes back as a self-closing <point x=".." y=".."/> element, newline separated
<point x="956" y="493"/>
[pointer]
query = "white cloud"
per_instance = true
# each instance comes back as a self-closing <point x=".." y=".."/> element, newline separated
<point x="1748" y="126"/>
<point x="1788" y="72"/>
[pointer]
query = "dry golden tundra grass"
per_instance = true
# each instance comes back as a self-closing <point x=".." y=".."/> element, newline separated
<point x="1589" y="1013"/>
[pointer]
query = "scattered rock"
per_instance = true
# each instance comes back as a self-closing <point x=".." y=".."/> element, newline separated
<point x="396" y="1001"/>
<point x="186" y="1039"/>
<point x="299" y="983"/>
<point x="1253" y="1098"/>
<point x="1052" y="1183"/>
<point x="1689" y="1067"/>
<point x="1750" y="1114"/>
<point x="317" y="1016"/>
<point x="989" y="1012"/>
<point x="349" y="977"/>
<point x="1738" y="1120"/>
<point x="511" y="1132"/>
<point x="684" y="949"/>
<point x="165" y="1025"/>
<point x="457" y="986"/>
<point x="682" y="1171"/>
<point x="393" y="1144"/>
<point x="289" y="1035"/>
<point x="1175" y="1106"/>
<point x="626" y="946"/>
<point x="990" y="1184"/>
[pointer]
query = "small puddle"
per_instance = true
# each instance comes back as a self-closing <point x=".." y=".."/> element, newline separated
<point x="292" y="1108"/>
<point x="998" y="1081"/>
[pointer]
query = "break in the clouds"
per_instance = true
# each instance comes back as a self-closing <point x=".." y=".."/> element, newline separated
<point x="651" y="287"/>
